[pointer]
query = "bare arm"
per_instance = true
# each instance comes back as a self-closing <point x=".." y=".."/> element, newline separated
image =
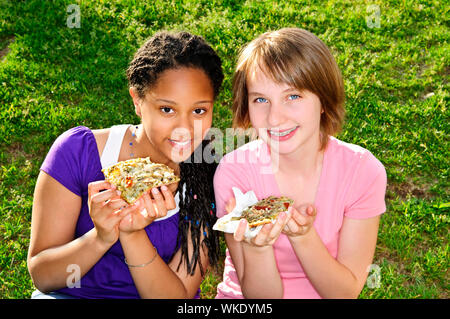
<point x="256" y="268"/>
<point x="345" y="276"/>
<point x="254" y="259"/>
<point x="52" y="244"/>
<point x="158" y="279"/>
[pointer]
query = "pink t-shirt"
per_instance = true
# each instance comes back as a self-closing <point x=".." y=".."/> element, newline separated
<point x="352" y="184"/>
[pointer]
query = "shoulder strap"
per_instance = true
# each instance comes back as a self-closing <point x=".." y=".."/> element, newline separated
<point x="111" y="151"/>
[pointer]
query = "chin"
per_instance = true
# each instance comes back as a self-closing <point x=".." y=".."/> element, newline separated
<point x="282" y="148"/>
<point x="181" y="155"/>
<point x="285" y="149"/>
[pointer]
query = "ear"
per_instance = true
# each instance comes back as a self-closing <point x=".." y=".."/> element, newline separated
<point x="136" y="101"/>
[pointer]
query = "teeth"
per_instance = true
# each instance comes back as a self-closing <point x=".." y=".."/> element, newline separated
<point x="181" y="143"/>
<point x="282" y="133"/>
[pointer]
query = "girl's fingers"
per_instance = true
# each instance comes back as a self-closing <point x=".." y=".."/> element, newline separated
<point x="148" y="204"/>
<point x="168" y="198"/>
<point x="299" y="218"/>
<point x="101" y="197"/>
<point x="146" y="209"/>
<point x="136" y="206"/>
<point x="270" y="232"/>
<point x="161" y="209"/>
<point x="312" y="211"/>
<point x="96" y="187"/>
<point x="291" y="226"/>
<point x="308" y="210"/>
<point x="121" y="211"/>
<point x="263" y="236"/>
<point x="115" y="204"/>
<point x="286" y="227"/>
<point x="101" y="200"/>
<point x="239" y="234"/>
<point x="117" y="195"/>
<point x="278" y="226"/>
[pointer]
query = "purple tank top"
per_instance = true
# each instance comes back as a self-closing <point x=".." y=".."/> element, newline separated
<point x="74" y="161"/>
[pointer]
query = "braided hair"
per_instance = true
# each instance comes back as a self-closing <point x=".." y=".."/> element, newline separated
<point x="197" y="214"/>
<point x="197" y="211"/>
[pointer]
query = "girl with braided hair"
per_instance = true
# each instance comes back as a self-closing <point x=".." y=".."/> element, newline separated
<point x="87" y="242"/>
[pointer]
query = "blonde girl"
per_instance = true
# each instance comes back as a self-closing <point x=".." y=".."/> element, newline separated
<point x="288" y="87"/>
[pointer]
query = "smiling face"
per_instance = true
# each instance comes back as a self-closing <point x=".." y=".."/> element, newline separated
<point x="286" y="118"/>
<point x="176" y="112"/>
<point x="298" y="59"/>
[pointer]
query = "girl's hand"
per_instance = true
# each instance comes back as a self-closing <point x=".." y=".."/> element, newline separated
<point x="157" y="207"/>
<point x="301" y="221"/>
<point x="106" y="209"/>
<point x="268" y="234"/>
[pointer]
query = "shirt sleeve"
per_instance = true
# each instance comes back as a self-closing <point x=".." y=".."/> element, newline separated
<point x="227" y="176"/>
<point x="366" y="196"/>
<point x="68" y="158"/>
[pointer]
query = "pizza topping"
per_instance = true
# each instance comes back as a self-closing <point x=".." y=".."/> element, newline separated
<point x="266" y="210"/>
<point x="128" y="181"/>
<point x="136" y="176"/>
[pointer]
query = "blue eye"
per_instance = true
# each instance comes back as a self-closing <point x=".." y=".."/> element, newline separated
<point x="293" y="97"/>
<point x="260" y="100"/>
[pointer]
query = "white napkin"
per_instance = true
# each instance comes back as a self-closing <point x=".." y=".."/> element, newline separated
<point x="243" y="201"/>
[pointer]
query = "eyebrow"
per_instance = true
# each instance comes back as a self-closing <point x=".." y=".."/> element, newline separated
<point x="255" y="93"/>
<point x="284" y="91"/>
<point x="173" y="102"/>
<point x="165" y="101"/>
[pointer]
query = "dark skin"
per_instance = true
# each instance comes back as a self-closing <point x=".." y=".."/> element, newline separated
<point x="179" y="99"/>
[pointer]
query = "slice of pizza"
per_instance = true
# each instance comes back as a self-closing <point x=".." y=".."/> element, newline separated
<point x="265" y="210"/>
<point x="136" y="176"/>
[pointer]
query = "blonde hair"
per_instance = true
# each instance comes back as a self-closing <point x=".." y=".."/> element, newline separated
<point x="300" y="59"/>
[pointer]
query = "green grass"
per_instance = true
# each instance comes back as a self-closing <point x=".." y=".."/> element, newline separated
<point x="396" y="76"/>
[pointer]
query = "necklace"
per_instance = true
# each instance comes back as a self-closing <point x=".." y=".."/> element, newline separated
<point x="133" y="141"/>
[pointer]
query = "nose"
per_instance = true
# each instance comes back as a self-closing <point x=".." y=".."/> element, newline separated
<point x="185" y="128"/>
<point x="276" y="115"/>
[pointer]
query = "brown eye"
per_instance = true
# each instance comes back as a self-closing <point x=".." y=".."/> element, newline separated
<point x="166" y="109"/>
<point x="199" y="111"/>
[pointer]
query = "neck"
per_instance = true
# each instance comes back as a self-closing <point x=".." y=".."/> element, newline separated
<point x="145" y="148"/>
<point x="308" y="156"/>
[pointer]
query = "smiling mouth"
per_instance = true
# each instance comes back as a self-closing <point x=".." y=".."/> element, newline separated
<point x="180" y="144"/>
<point x="282" y="133"/>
